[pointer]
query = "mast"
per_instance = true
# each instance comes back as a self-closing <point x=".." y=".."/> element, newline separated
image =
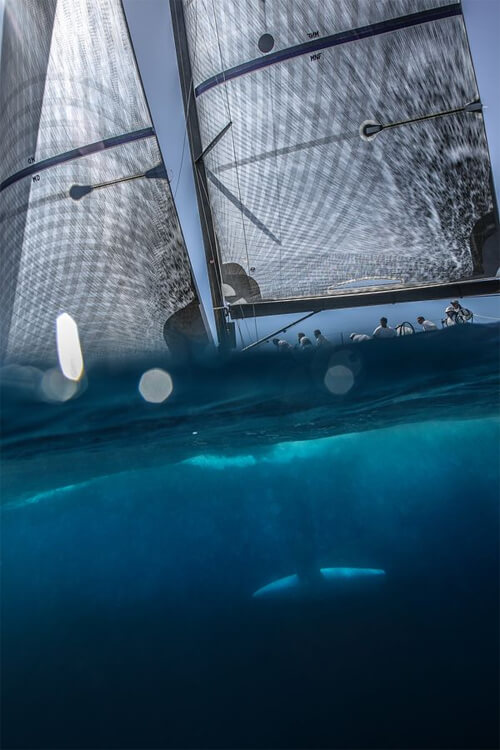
<point x="200" y="178"/>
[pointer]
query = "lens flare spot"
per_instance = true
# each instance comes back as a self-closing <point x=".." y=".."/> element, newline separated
<point x="57" y="388"/>
<point x="68" y="347"/>
<point x="339" y="379"/>
<point x="155" y="385"/>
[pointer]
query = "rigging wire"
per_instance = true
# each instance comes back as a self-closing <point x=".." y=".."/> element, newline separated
<point x="486" y="317"/>
<point x="190" y="92"/>
<point x="200" y="184"/>
<point x="281" y="330"/>
<point x="198" y="181"/>
<point x="182" y="162"/>
<point x="241" y="335"/>
<point x="272" y="88"/>
<point x="203" y="188"/>
<point x="234" y="152"/>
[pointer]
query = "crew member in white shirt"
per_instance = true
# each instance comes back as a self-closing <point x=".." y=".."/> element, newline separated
<point x="460" y="314"/>
<point x="303" y="341"/>
<point x="383" y="331"/>
<point x="427" y="325"/>
<point x="357" y="337"/>
<point x="282" y="345"/>
<point x="321" y="341"/>
<point x="451" y="317"/>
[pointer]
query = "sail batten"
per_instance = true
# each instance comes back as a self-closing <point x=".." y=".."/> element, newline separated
<point x="303" y="200"/>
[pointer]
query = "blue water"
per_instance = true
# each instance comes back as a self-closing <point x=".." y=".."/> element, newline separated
<point x="134" y="535"/>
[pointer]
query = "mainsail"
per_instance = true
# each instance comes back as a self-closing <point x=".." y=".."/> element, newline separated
<point x="88" y="224"/>
<point x="343" y="150"/>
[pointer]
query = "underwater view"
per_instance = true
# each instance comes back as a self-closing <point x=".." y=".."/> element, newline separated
<point x="290" y="550"/>
<point x="218" y="530"/>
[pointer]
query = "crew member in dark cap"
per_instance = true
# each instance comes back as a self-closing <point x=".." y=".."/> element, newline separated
<point x="321" y="341"/>
<point x="427" y="325"/>
<point x="303" y="341"/>
<point x="383" y="331"/>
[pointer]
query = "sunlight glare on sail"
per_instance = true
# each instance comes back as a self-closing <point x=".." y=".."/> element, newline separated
<point x="155" y="385"/>
<point x="68" y="347"/>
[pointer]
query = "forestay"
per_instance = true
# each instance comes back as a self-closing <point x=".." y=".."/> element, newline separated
<point x="304" y="204"/>
<point x="77" y="234"/>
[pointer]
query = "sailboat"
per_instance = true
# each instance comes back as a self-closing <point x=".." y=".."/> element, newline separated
<point x="340" y="160"/>
<point x="339" y="153"/>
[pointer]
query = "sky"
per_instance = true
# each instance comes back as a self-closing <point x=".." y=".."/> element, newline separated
<point x="151" y="31"/>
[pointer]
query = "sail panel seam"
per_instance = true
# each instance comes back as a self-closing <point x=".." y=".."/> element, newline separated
<point x="76" y="153"/>
<point x="343" y="37"/>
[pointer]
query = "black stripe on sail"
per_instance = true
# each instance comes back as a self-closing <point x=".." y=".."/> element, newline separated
<point x="363" y="32"/>
<point x="76" y="153"/>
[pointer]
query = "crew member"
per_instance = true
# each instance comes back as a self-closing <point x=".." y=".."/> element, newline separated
<point x="303" y="341"/>
<point x="321" y="341"/>
<point x="427" y="325"/>
<point x="451" y="317"/>
<point x="282" y="345"/>
<point x="383" y="331"/>
<point x="357" y="337"/>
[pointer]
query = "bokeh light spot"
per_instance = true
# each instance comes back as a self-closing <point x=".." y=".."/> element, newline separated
<point x="155" y="385"/>
<point x="339" y="379"/>
<point x="56" y="388"/>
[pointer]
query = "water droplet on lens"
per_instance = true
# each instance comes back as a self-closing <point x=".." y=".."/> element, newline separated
<point x="339" y="380"/>
<point x="57" y="388"/>
<point x="155" y="386"/>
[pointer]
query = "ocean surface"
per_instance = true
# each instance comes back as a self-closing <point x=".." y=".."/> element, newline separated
<point x="134" y="535"/>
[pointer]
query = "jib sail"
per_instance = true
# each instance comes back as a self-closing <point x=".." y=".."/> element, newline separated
<point x="88" y="224"/>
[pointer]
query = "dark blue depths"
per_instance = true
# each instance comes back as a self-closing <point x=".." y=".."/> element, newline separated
<point x="128" y="619"/>
<point x="127" y="612"/>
